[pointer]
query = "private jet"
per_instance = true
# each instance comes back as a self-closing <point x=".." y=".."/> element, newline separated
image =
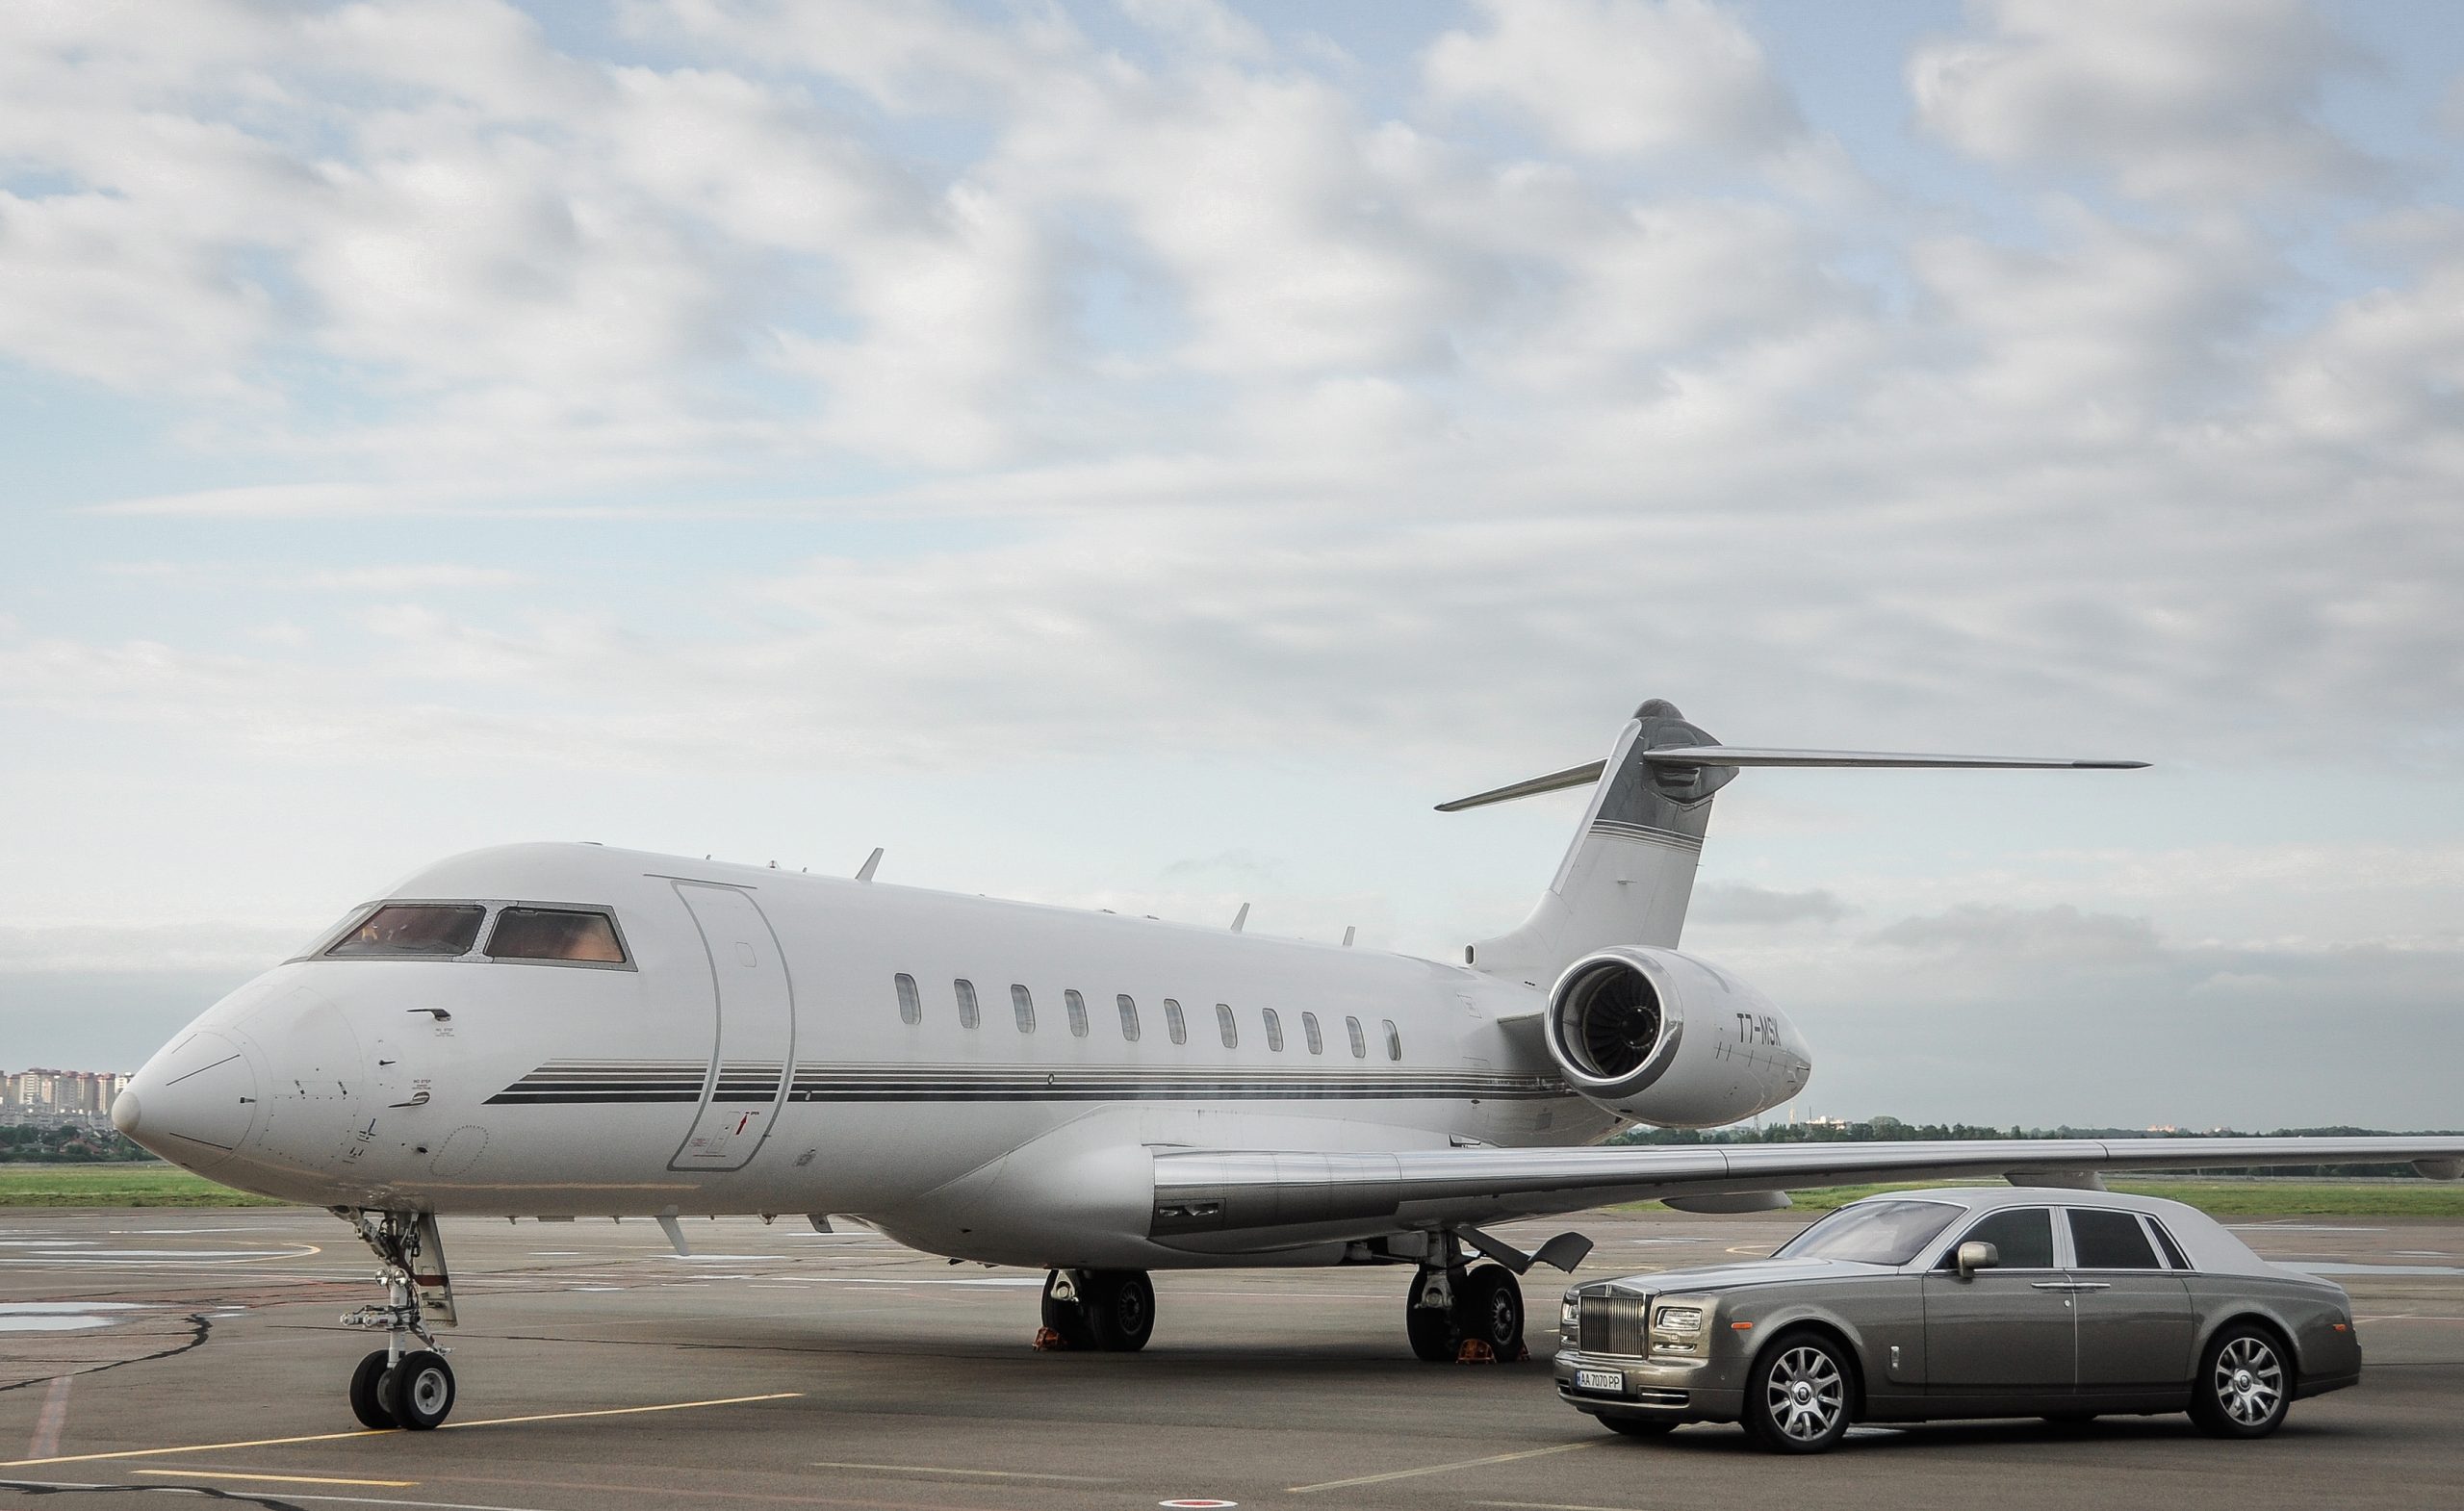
<point x="565" y="1031"/>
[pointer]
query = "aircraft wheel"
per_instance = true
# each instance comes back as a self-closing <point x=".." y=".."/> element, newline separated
<point x="1119" y="1310"/>
<point x="364" y="1402"/>
<point x="417" y="1391"/>
<point x="1069" y="1319"/>
<point x="1430" y="1328"/>
<point x="1489" y="1308"/>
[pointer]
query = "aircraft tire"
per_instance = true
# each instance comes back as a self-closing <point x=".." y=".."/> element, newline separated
<point x="1489" y="1308"/>
<point x="1430" y="1329"/>
<point x="1069" y="1319"/>
<point x="1119" y="1310"/>
<point x="417" y="1392"/>
<point x="364" y="1404"/>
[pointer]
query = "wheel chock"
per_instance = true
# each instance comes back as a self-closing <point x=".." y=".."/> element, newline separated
<point x="1047" y="1341"/>
<point x="1476" y="1350"/>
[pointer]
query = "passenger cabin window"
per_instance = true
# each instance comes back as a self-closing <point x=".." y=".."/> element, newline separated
<point x="910" y="1005"/>
<point x="1394" y="1039"/>
<point x="969" y="1015"/>
<point x="556" y="933"/>
<point x="2110" y="1241"/>
<point x="1173" y="1024"/>
<point x="1077" y="1006"/>
<point x="1128" y="1018"/>
<point x="400" y="928"/>
<point x="2023" y="1236"/>
<point x="1274" y="1030"/>
<point x="1309" y="1031"/>
<point x="1024" y="1006"/>
<point x="2165" y="1242"/>
<point x="1224" y="1026"/>
<point x="1359" y="1044"/>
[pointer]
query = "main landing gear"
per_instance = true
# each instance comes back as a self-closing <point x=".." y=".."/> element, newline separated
<point x="399" y="1386"/>
<point x="1105" y="1310"/>
<point x="1468" y="1315"/>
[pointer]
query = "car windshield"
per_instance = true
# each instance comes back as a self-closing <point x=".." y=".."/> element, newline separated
<point x="1872" y="1231"/>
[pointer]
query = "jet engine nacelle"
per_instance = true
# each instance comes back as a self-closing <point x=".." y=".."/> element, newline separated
<point x="1662" y="1038"/>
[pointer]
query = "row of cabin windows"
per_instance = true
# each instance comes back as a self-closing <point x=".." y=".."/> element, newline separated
<point x="1022" y="1006"/>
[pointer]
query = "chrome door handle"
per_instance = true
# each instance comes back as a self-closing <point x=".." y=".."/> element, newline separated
<point x="2091" y="1285"/>
<point x="2050" y="1285"/>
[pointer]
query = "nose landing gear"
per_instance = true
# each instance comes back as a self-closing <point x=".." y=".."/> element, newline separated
<point x="400" y="1386"/>
<point x="1468" y="1316"/>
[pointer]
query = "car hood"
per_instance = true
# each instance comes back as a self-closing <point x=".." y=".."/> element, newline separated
<point x="1750" y="1272"/>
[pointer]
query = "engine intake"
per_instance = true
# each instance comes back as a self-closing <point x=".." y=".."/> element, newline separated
<point x="1661" y="1037"/>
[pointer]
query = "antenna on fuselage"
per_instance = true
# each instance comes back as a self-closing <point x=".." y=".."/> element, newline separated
<point x="1239" y="918"/>
<point x="865" y="872"/>
<point x="1347" y="933"/>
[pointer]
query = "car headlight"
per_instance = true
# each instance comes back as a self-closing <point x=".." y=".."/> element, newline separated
<point x="1570" y="1316"/>
<point x="1680" y="1327"/>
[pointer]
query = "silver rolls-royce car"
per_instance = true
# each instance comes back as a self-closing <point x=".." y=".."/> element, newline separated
<point x="1966" y="1302"/>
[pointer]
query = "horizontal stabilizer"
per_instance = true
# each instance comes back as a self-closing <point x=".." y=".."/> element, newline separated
<point x="1744" y="755"/>
<point x="1581" y="775"/>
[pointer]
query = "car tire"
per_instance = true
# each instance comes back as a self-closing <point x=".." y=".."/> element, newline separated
<point x="1799" y="1395"/>
<point x="1638" y="1426"/>
<point x="2245" y="1383"/>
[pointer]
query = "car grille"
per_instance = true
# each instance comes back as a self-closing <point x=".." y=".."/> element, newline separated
<point x="1612" y="1325"/>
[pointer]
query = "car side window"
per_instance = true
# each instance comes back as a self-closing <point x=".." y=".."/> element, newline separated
<point x="2165" y="1242"/>
<point x="2110" y="1241"/>
<point x="2023" y="1235"/>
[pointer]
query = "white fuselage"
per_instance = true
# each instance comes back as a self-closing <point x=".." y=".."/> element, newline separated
<point x="755" y="1053"/>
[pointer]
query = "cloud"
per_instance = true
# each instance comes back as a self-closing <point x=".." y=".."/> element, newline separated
<point x="2004" y="933"/>
<point x="1614" y="77"/>
<point x="1718" y="902"/>
<point x="2196" y="100"/>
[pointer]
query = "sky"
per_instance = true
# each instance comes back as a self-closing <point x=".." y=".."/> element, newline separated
<point x="1145" y="454"/>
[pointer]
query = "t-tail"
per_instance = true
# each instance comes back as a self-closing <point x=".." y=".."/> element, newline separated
<point x="1629" y="875"/>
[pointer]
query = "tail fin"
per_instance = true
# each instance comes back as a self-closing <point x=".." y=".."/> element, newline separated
<point x="1629" y="875"/>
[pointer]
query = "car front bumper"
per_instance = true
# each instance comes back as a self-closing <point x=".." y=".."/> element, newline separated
<point x="1670" y="1391"/>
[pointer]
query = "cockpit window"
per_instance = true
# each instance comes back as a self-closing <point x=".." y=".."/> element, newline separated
<point x="556" y="933"/>
<point x="429" y="929"/>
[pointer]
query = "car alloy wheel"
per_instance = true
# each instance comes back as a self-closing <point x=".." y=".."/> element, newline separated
<point x="1800" y="1397"/>
<point x="2249" y="1381"/>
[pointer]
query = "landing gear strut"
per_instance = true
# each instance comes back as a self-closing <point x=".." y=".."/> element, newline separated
<point x="1108" y="1311"/>
<point x="398" y="1386"/>
<point x="1472" y="1314"/>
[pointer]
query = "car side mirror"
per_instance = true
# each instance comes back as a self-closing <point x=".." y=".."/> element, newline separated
<point x="1974" y="1256"/>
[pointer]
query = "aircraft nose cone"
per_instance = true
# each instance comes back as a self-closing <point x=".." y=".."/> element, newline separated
<point x="193" y="1104"/>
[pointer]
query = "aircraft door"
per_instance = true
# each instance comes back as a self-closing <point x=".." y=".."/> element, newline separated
<point x="757" y="1026"/>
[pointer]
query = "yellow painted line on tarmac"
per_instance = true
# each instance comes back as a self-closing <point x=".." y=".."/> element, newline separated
<point x="370" y="1432"/>
<point x="1440" y="1468"/>
<point x="277" y="1479"/>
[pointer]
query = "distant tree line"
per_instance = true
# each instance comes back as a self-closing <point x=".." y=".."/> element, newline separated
<point x="1888" y="1130"/>
<point x="64" y="1143"/>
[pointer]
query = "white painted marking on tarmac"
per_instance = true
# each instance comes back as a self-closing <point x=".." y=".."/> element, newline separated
<point x="2294" y="1227"/>
<point x="972" y="1474"/>
<point x="53" y="1420"/>
<point x="1440" y="1468"/>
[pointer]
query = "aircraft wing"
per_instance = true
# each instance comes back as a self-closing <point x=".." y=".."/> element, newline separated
<point x="1224" y="1194"/>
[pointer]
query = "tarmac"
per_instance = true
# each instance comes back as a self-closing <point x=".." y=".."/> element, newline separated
<point x="173" y="1350"/>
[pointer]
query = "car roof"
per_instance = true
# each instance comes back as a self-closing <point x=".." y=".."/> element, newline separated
<point x="1984" y="1198"/>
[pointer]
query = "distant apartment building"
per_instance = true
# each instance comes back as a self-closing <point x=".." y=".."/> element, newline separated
<point x="42" y="1092"/>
